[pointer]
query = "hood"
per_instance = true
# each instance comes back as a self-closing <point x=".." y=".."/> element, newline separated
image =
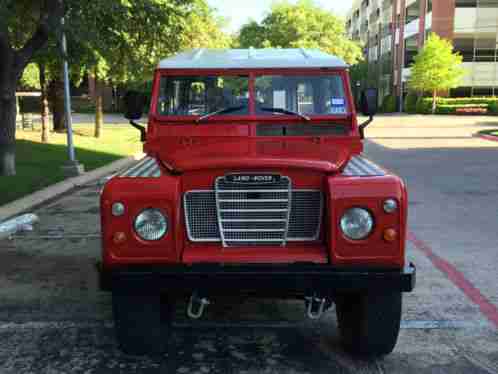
<point x="196" y="153"/>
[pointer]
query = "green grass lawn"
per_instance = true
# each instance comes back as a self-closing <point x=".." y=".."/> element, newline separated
<point x="39" y="165"/>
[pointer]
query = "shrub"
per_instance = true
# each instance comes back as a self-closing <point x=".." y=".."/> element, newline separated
<point x="388" y="104"/>
<point x="410" y="103"/>
<point x="467" y="100"/>
<point x="83" y="105"/>
<point x="423" y="106"/>
<point x="460" y="109"/>
<point x="493" y="107"/>
<point x="451" y="105"/>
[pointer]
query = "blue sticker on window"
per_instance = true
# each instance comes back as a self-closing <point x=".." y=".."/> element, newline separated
<point x="337" y="105"/>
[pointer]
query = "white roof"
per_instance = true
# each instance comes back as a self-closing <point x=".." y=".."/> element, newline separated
<point x="251" y="59"/>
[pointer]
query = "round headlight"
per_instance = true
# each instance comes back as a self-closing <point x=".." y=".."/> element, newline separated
<point x="390" y="205"/>
<point x="151" y="224"/>
<point x="357" y="223"/>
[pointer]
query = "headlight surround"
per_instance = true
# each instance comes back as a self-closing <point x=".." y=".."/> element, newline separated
<point x="357" y="223"/>
<point x="151" y="224"/>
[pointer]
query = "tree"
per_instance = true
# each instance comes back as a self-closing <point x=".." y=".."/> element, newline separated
<point x="436" y="68"/>
<point x="20" y="39"/>
<point x="205" y="29"/>
<point x="301" y="25"/>
<point x="128" y="36"/>
<point x="195" y="27"/>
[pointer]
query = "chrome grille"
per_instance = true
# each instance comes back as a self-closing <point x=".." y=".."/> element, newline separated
<point x="254" y="206"/>
<point x="251" y="226"/>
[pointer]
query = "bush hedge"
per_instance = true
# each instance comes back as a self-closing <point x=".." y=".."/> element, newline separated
<point x="493" y="107"/>
<point x="410" y="103"/>
<point x="423" y="106"/>
<point x="388" y="104"/>
<point x="452" y="105"/>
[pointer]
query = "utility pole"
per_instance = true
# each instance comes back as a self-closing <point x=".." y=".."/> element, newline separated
<point x="72" y="167"/>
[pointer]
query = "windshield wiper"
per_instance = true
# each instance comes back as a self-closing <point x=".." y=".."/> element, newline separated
<point x="221" y="111"/>
<point x="285" y="111"/>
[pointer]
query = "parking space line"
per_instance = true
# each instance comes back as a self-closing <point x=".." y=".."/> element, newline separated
<point x="405" y="324"/>
<point x="458" y="279"/>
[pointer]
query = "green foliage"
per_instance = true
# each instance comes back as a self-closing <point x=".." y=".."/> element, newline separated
<point x="388" y="104"/>
<point x="359" y="72"/>
<point x="410" y="103"/>
<point x="83" y="105"/>
<point x="468" y="100"/>
<point x="121" y="40"/>
<point x="301" y="25"/>
<point x="450" y="105"/>
<point x="436" y="67"/>
<point x="452" y="108"/>
<point x="493" y="107"/>
<point x="30" y="79"/>
<point x="423" y="105"/>
<point x="204" y="29"/>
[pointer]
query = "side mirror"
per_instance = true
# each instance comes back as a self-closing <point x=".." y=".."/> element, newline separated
<point x="368" y="106"/>
<point x="134" y="107"/>
<point x="368" y="102"/>
<point x="134" y="103"/>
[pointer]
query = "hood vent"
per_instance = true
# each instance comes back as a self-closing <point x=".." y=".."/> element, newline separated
<point x="303" y="130"/>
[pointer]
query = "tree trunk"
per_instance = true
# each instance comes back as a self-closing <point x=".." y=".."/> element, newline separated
<point x="56" y="97"/>
<point x="434" y="99"/>
<point x="8" y="112"/>
<point x="99" y="111"/>
<point x="44" y="104"/>
<point x="7" y="131"/>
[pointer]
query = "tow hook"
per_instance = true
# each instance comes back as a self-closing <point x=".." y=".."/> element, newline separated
<point x="196" y="306"/>
<point x="315" y="306"/>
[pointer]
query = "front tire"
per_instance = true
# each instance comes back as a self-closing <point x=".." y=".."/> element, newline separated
<point x="369" y="323"/>
<point x="140" y="323"/>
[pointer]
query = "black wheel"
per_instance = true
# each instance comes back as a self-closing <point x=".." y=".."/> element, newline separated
<point x="369" y="323"/>
<point x="141" y="322"/>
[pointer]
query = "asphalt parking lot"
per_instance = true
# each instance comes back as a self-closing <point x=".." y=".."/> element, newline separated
<point x="53" y="319"/>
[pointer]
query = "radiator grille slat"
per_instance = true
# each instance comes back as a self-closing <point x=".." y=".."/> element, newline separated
<point x="250" y="203"/>
<point x="250" y="222"/>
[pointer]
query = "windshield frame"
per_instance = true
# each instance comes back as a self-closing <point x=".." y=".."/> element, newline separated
<point x="252" y="75"/>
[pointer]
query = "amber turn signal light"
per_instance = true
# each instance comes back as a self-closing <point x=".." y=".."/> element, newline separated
<point x="390" y="235"/>
<point x="119" y="237"/>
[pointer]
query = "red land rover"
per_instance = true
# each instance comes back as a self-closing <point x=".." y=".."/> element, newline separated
<point x="255" y="184"/>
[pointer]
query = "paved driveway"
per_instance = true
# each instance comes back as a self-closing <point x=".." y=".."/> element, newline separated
<point x="53" y="319"/>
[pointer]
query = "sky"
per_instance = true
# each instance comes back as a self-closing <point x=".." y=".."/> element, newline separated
<point x="239" y="12"/>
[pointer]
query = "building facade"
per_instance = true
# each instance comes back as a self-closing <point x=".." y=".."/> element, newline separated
<point x="392" y="32"/>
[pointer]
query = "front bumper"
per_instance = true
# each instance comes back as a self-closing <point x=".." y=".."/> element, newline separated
<point x="281" y="280"/>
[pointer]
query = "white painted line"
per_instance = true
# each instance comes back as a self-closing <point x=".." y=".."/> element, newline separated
<point x="408" y="324"/>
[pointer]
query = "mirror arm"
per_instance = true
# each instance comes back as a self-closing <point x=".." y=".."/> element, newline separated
<point x="143" y="133"/>
<point x="363" y="126"/>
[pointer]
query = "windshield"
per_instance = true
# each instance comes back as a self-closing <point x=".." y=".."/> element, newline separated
<point x="274" y="95"/>
<point x="201" y="95"/>
<point x="309" y="94"/>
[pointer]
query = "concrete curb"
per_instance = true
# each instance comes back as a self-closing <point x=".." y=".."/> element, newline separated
<point x="25" y="203"/>
<point x="491" y="138"/>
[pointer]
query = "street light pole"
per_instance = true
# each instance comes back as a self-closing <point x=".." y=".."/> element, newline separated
<point x="72" y="168"/>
